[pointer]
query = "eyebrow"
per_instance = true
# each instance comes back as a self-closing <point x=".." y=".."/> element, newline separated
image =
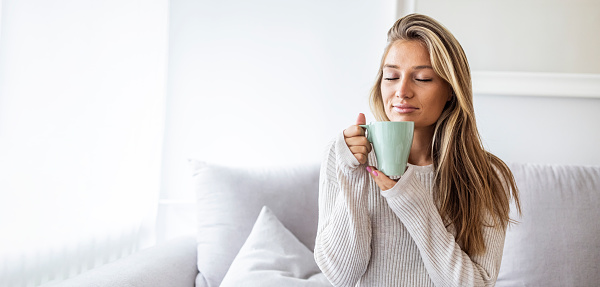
<point x="415" y="68"/>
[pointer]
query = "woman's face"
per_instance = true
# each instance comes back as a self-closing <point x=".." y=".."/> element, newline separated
<point x="410" y="88"/>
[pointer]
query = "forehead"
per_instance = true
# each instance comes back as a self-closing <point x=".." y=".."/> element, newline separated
<point x="407" y="53"/>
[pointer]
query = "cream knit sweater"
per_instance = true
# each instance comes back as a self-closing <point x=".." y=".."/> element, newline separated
<point x="369" y="237"/>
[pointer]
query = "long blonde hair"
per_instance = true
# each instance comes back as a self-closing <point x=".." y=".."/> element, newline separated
<point x="474" y="187"/>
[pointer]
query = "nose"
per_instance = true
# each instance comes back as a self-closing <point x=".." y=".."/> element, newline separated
<point x="403" y="89"/>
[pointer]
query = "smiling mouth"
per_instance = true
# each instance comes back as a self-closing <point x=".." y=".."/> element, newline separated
<point x="403" y="109"/>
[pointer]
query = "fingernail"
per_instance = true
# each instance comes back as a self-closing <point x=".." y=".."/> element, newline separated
<point x="375" y="173"/>
<point x="369" y="169"/>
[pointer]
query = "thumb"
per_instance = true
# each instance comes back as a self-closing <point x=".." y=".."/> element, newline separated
<point x="361" y="120"/>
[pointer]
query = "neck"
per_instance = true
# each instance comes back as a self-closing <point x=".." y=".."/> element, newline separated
<point x="420" y="152"/>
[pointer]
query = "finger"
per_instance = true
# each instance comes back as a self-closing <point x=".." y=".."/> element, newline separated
<point x="361" y="120"/>
<point x="362" y="158"/>
<point x="359" y="149"/>
<point x="357" y="141"/>
<point x="353" y="131"/>
<point x="382" y="180"/>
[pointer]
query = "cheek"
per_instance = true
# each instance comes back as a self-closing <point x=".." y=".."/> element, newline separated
<point x="385" y="95"/>
<point x="437" y="108"/>
<point x="441" y="104"/>
<point x="383" y="91"/>
<point x="433" y="105"/>
<point x="386" y="98"/>
<point x="439" y="98"/>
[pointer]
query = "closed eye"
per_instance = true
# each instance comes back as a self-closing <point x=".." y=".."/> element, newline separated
<point x="391" y="79"/>
<point x="424" y="80"/>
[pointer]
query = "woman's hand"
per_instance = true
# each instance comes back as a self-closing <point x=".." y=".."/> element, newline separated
<point x="382" y="180"/>
<point x="356" y="140"/>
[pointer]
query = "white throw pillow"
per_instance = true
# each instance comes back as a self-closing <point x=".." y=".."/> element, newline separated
<point x="273" y="256"/>
<point x="230" y="199"/>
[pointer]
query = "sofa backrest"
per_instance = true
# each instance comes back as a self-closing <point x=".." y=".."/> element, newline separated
<point x="557" y="242"/>
<point x="229" y="200"/>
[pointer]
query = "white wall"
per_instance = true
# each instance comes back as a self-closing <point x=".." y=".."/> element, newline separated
<point x="265" y="82"/>
<point x="529" y="36"/>
<point x="548" y="130"/>
<point x="82" y="86"/>
<point x="536" y="37"/>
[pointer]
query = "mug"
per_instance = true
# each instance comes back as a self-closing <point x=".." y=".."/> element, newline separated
<point x="392" y="142"/>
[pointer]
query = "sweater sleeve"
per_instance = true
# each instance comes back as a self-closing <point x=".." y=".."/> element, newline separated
<point x="343" y="243"/>
<point x="446" y="263"/>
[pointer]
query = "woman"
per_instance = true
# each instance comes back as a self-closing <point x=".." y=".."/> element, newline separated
<point x="443" y="222"/>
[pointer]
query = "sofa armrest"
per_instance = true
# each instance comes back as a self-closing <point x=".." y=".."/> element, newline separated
<point x="170" y="264"/>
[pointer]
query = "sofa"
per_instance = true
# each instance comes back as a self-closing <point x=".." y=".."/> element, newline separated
<point x="257" y="227"/>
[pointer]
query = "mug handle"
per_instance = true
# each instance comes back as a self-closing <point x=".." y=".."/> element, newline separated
<point x="366" y="127"/>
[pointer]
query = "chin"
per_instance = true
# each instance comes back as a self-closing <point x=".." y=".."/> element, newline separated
<point x="397" y="118"/>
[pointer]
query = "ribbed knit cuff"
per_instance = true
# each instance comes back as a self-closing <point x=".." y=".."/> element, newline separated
<point x="407" y="180"/>
<point x="409" y="197"/>
<point x="346" y="159"/>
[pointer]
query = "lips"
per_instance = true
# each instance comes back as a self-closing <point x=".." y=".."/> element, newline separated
<point x="404" y="108"/>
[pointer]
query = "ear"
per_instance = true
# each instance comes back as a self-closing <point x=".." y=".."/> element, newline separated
<point x="451" y="95"/>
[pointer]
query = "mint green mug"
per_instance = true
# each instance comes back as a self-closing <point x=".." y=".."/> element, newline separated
<point x="392" y="142"/>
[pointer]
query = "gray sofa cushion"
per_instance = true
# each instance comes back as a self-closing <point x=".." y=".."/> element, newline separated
<point x="169" y="264"/>
<point x="230" y="199"/>
<point x="557" y="242"/>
